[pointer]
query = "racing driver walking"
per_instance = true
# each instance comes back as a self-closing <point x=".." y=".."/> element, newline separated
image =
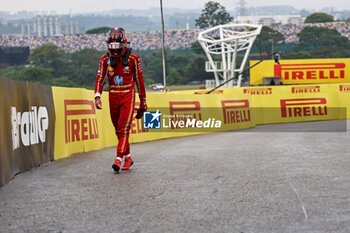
<point x="124" y="70"/>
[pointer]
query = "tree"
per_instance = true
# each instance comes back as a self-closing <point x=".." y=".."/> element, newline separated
<point x="332" y="38"/>
<point x="174" y="77"/>
<point x="149" y="81"/>
<point x="195" y="70"/>
<point x="212" y="15"/>
<point x="181" y="69"/>
<point x="298" y="55"/>
<point x="11" y="72"/>
<point x="152" y="66"/>
<point x="309" y="36"/>
<point x="319" y="17"/>
<point x="65" y="81"/>
<point x="179" y="62"/>
<point x="36" y="74"/>
<point x="313" y="37"/>
<point x="98" y="30"/>
<point x="330" y="52"/>
<point x="83" y="66"/>
<point x="49" y="56"/>
<point x="197" y="48"/>
<point x="267" y="39"/>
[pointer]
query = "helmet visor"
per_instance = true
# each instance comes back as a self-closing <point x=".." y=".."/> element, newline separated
<point x="116" y="45"/>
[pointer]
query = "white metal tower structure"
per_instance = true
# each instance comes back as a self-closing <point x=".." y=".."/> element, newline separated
<point x="221" y="44"/>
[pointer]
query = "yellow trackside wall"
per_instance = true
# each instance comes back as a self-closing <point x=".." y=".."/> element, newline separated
<point x="343" y="91"/>
<point x="80" y="127"/>
<point x="305" y="71"/>
<point x="294" y="103"/>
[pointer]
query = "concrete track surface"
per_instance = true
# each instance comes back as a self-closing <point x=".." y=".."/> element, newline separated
<point x="255" y="180"/>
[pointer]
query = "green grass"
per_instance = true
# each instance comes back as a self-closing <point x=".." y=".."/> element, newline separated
<point x="185" y="87"/>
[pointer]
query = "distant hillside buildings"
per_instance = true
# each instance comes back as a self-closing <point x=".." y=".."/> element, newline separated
<point x="271" y="20"/>
<point x="48" y="25"/>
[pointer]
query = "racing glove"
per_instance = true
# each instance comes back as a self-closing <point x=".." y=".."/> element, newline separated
<point x="142" y="108"/>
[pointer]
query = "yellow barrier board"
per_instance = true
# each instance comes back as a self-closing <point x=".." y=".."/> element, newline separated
<point x="344" y="97"/>
<point x="80" y="127"/>
<point x="282" y="104"/>
<point x="288" y="108"/>
<point x="306" y="71"/>
<point x="295" y="103"/>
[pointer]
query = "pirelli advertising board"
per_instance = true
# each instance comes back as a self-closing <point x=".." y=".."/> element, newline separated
<point x="80" y="127"/>
<point x="184" y="113"/>
<point x="283" y="104"/>
<point x="306" y="71"/>
<point x="344" y="96"/>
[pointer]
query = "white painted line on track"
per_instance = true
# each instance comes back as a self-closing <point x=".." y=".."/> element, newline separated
<point x="297" y="194"/>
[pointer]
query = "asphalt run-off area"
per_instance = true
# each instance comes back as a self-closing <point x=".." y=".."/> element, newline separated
<point x="265" y="179"/>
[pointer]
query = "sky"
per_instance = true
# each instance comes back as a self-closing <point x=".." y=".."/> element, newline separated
<point x="78" y="6"/>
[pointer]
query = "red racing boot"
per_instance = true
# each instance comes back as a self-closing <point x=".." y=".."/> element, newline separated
<point x="127" y="162"/>
<point x="117" y="164"/>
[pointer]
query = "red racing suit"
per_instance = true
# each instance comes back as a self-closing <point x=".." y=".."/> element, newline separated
<point x="122" y="82"/>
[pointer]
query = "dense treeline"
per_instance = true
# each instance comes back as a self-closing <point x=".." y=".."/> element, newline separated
<point x="318" y="42"/>
<point x="49" y="65"/>
<point x="314" y="42"/>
